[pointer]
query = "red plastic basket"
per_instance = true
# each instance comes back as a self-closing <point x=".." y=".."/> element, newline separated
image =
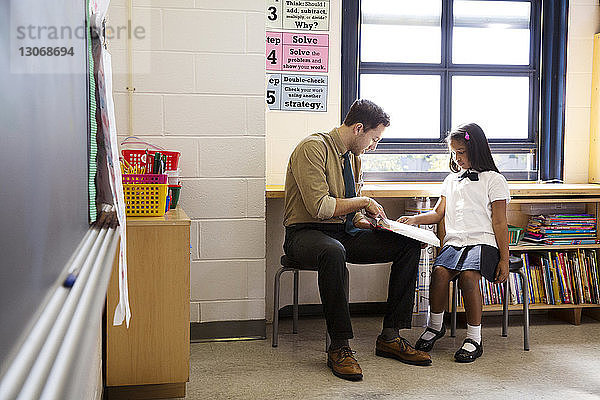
<point x="145" y="178"/>
<point x="146" y="158"/>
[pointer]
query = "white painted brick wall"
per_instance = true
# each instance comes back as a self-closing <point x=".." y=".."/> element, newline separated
<point x="218" y="280"/>
<point x="232" y="310"/>
<point x="163" y="72"/>
<point x="194" y="312"/>
<point x="204" y="31"/>
<point x="244" y="156"/>
<point x="225" y="280"/>
<point x="119" y="70"/>
<point x="200" y="115"/>
<point x="255" y="115"/>
<point x="230" y="239"/>
<point x="237" y="74"/>
<point x="216" y="198"/>
<point x="199" y="80"/>
<point x="148" y="114"/>
<point x="147" y="37"/>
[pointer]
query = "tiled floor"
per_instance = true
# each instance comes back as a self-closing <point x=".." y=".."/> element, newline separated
<point x="564" y="363"/>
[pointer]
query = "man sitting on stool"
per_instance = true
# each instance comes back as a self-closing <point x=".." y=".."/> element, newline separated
<point x="325" y="227"/>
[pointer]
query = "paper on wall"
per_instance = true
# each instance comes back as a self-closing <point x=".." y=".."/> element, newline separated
<point x="104" y="82"/>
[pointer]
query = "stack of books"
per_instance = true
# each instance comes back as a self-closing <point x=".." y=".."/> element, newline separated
<point x="563" y="277"/>
<point x="562" y="229"/>
<point x="571" y="277"/>
<point x="413" y="207"/>
<point x="493" y="293"/>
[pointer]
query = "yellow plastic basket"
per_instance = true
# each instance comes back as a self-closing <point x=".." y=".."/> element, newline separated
<point x="145" y="199"/>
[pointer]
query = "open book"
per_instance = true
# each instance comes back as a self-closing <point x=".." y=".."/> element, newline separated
<point x="414" y="232"/>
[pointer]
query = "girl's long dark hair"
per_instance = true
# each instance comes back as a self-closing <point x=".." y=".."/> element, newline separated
<point x="478" y="149"/>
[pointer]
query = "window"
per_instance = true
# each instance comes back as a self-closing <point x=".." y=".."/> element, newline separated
<point x="434" y="64"/>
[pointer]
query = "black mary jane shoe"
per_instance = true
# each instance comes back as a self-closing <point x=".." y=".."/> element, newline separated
<point x="464" y="356"/>
<point x="427" y="345"/>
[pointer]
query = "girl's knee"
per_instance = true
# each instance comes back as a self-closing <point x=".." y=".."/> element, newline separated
<point x="469" y="280"/>
<point x="440" y="273"/>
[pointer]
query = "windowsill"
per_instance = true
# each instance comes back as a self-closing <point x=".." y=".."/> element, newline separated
<point x="427" y="189"/>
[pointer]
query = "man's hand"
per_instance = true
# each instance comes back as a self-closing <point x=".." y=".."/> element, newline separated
<point x="374" y="209"/>
<point x="501" y="271"/>
<point x="407" y="219"/>
<point x="363" y="224"/>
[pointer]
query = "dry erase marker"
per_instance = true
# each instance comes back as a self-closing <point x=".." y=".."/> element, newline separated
<point x="71" y="278"/>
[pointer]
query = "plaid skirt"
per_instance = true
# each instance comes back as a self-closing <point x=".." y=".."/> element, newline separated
<point x="481" y="257"/>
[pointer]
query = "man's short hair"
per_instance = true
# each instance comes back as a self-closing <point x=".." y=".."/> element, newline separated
<point x="367" y="113"/>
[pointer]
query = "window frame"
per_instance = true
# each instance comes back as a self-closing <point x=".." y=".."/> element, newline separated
<point x="352" y="69"/>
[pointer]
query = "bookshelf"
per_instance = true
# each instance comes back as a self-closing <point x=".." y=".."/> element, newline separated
<point x="528" y="247"/>
<point x="518" y="213"/>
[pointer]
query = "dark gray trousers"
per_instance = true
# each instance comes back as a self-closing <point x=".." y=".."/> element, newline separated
<point x="327" y="248"/>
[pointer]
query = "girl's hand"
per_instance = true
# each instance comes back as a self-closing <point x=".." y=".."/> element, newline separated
<point x="407" y="219"/>
<point x="501" y="271"/>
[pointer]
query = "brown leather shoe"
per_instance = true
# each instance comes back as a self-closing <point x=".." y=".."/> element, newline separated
<point x="343" y="364"/>
<point x="401" y="350"/>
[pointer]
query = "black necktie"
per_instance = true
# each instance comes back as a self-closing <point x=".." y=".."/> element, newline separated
<point x="472" y="175"/>
<point x="350" y="191"/>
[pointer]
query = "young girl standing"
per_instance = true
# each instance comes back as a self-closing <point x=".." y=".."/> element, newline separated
<point x="473" y="205"/>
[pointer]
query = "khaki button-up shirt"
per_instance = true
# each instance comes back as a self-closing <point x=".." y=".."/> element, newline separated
<point x="314" y="179"/>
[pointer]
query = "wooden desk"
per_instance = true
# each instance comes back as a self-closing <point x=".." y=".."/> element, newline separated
<point x="155" y="349"/>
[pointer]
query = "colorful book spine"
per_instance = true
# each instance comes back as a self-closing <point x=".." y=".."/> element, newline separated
<point x="577" y="279"/>
<point x="525" y="258"/>
<point x="585" y="282"/>
<point x="563" y="279"/>
<point x="534" y="281"/>
<point x="512" y="284"/>
<point x="569" y="278"/>
<point x="595" y="275"/>
<point x="554" y="278"/>
<point x="546" y="281"/>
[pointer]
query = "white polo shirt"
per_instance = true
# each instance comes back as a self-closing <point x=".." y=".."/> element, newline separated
<point x="468" y="216"/>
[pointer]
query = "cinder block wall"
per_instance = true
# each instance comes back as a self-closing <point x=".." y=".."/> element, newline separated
<point x="198" y="74"/>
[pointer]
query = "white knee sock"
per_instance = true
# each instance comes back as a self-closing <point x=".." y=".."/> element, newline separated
<point x="474" y="333"/>
<point x="435" y="322"/>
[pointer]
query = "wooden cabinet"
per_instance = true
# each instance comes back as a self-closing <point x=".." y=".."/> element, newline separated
<point x="155" y="349"/>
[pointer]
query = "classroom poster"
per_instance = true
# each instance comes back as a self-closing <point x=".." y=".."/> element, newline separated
<point x="306" y="15"/>
<point x="300" y="52"/>
<point x="288" y="92"/>
<point x="297" y="52"/>
<point x="97" y="11"/>
<point x="106" y="105"/>
<point x="99" y="8"/>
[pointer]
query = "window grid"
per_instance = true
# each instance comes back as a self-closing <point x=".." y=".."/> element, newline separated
<point x="446" y="70"/>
